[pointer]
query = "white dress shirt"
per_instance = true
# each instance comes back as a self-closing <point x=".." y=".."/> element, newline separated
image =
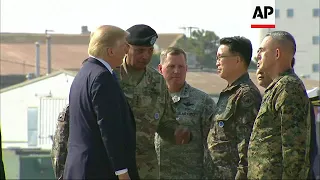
<point x="122" y="171"/>
<point x="104" y="63"/>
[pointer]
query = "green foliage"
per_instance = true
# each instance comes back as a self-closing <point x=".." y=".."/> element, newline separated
<point x="253" y="64"/>
<point x="155" y="61"/>
<point x="204" y="44"/>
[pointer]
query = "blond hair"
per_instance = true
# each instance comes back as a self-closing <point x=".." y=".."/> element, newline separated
<point x="171" y="51"/>
<point x="104" y="37"/>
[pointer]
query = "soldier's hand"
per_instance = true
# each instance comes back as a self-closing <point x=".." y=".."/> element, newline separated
<point x="182" y="135"/>
<point x="124" y="176"/>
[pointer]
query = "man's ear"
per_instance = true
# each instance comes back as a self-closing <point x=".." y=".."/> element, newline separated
<point x="160" y="68"/>
<point x="110" y="52"/>
<point x="278" y="53"/>
<point x="238" y="59"/>
<point x="126" y="49"/>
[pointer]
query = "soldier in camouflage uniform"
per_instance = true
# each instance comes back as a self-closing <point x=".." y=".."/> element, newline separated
<point x="147" y="94"/>
<point x="263" y="79"/>
<point x="280" y="140"/>
<point x="194" y="109"/>
<point x="238" y="106"/>
<point x="59" y="149"/>
<point x="60" y="141"/>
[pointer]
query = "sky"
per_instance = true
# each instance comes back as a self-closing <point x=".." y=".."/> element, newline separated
<point x="224" y="17"/>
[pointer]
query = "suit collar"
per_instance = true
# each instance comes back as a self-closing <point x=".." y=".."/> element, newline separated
<point x="100" y="62"/>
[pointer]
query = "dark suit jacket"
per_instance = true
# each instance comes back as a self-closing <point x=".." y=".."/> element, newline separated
<point x="2" y="172"/>
<point x="313" y="146"/>
<point x="102" y="137"/>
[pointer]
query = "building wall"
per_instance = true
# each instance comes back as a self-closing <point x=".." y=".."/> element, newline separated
<point x="15" y="104"/>
<point x="303" y="26"/>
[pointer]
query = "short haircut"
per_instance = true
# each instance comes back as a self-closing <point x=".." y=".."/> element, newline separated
<point x="239" y="45"/>
<point x="284" y="38"/>
<point x="171" y="51"/>
<point x="105" y="36"/>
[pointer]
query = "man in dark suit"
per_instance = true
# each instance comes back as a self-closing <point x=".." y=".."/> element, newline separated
<point x="102" y="133"/>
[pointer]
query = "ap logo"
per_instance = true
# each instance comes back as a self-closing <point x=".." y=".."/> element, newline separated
<point x="263" y="14"/>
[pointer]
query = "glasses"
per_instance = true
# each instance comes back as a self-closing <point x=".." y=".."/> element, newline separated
<point x="218" y="58"/>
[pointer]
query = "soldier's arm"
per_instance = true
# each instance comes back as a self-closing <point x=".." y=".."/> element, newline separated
<point x="209" y="107"/>
<point x="168" y="123"/>
<point x="292" y="107"/>
<point x="247" y="109"/>
<point x="59" y="149"/>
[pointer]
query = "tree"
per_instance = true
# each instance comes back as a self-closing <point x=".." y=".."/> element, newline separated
<point x="202" y="43"/>
<point x="155" y="61"/>
<point x="253" y="64"/>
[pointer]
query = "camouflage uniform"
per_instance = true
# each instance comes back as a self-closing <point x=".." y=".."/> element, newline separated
<point x="152" y="108"/>
<point x="280" y="140"/>
<point x="231" y="127"/>
<point x="60" y="141"/>
<point x="194" y="109"/>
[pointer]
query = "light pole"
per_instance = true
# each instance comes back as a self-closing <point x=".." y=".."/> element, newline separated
<point x="48" y="40"/>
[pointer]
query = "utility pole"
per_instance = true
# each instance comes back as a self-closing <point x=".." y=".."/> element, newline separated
<point x="188" y="30"/>
<point x="48" y="40"/>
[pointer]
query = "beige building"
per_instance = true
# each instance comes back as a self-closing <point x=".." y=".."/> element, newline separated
<point x="18" y="57"/>
<point x="302" y="20"/>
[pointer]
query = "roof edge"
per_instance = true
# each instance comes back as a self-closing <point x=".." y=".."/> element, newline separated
<point x="56" y="73"/>
<point x="174" y="42"/>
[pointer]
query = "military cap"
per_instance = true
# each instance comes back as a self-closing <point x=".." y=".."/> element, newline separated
<point x="141" y="35"/>
<point x="314" y="96"/>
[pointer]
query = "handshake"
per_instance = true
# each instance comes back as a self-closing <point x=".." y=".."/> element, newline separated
<point x="182" y="136"/>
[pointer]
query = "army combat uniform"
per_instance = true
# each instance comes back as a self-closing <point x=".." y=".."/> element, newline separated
<point x="280" y="139"/>
<point x="147" y="94"/>
<point x="59" y="149"/>
<point x="194" y="110"/>
<point x="231" y="127"/>
<point x="151" y="105"/>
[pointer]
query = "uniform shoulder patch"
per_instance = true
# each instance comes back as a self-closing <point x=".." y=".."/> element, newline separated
<point x="247" y="100"/>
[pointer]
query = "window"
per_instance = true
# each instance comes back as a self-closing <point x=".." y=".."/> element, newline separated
<point x="290" y="12"/>
<point x="316" y="40"/>
<point x="316" y="12"/>
<point x="277" y="13"/>
<point x="315" y="68"/>
<point x="32" y="126"/>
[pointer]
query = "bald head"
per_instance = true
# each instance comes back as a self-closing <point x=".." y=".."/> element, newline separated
<point x="106" y="36"/>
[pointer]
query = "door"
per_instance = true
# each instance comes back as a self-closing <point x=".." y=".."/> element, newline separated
<point x="32" y="126"/>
